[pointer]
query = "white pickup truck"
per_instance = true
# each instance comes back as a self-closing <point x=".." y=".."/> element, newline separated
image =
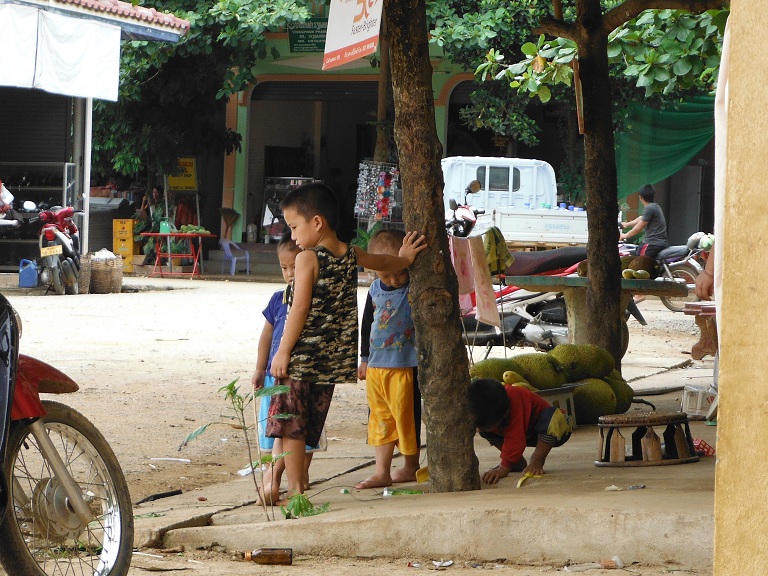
<point x="519" y="197"/>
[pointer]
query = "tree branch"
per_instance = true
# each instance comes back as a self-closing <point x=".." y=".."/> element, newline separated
<point x="632" y="8"/>
<point x="557" y="9"/>
<point x="556" y="28"/>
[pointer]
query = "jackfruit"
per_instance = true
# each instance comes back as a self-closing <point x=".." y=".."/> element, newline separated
<point x="594" y="398"/>
<point x="493" y="368"/>
<point x="623" y="391"/>
<point x="540" y="370"/>
<point x="625" y="260"/>
<point x="644" y="263"/>
<point x="583" y="268"/>
<point x="581" y="361"/>
<point x="512" y="377"/>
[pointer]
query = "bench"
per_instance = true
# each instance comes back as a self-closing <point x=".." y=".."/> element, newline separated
<point x="704" y="313"/>
<point x="574" y="289"/>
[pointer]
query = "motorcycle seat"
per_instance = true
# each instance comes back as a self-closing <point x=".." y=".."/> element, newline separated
<point x="482" y="334"/>
<point x="527" y="263"/>
<point x="672" y="253"/>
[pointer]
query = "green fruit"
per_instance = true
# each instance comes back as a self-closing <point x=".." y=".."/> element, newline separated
<point x="581" y="361"/>
<point x="623" y="391"/>
<point x="594" y="398"/>
<point x="641" y="274"/>
<point x="540" y="370"/>
<point x="493" y="368"/>
<point x="625" y="260"/>
<point x="512" y="377"/>
<point x="627" y="273"/>
<point x="644" y="263"/>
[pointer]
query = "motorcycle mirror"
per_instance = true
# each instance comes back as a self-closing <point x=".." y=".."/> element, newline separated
<point x="452" y="204"/>
<point x="474" y="187"/>
<point x="29" y="206"/>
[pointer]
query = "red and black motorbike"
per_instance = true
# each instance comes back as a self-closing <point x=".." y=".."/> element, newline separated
<point x="64" y="500"/>
<point x="463" y="218"/>
<point x="59" y="241"/>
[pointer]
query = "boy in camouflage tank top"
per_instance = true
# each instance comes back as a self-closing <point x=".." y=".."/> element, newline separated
<point x="319" y="344"/>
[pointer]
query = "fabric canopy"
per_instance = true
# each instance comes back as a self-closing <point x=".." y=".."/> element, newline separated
<point x="59" y="54"/>
<point x="657" y="143"/>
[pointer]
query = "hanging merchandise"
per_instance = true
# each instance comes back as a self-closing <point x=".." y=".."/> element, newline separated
<point x="377" y="184"/>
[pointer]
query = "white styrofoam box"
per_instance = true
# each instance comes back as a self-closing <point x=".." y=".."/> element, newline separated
<point x="697" y="400"/>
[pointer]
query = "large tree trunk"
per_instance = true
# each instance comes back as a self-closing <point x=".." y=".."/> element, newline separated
<point x="443" y="363"/>
<point x="603" y="294"/>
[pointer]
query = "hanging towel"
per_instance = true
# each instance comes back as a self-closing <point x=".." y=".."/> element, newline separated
<point x="462" y="263"/>
<point x="496" y="251"/>
<point x="484" y="293"/>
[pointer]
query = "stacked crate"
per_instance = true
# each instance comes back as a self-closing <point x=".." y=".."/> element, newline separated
<point x="122" y="241"/>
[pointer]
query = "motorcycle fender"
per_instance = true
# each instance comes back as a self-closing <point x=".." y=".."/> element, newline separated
<point x="33" y="377"/>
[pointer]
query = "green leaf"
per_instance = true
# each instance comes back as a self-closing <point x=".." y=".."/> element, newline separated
<point x="271" y="391"/>
<point x="194" y="435"/>
<point x="544" y="94"/>
<point x="529" y="49"/>
<point x="682" y="67"/>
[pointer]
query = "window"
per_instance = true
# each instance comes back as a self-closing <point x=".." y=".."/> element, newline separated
<point x="499" y="178"/>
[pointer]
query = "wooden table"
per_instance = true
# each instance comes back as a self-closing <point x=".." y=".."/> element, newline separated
<point x="164" y="239"/>
<point x="574" y="289"/>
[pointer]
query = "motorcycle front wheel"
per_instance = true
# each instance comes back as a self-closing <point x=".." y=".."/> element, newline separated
<point x="684" y="274"/>
<point x="58" y="280"/>
<point x="40" y="534"/>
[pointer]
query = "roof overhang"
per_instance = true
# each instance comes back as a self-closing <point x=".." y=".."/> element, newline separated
<point x="135" y="22"/>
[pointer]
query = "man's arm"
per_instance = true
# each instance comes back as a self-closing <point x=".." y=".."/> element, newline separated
<point x="638" y="227"/>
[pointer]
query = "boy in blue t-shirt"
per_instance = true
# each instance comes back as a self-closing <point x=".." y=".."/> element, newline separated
<point x="275" y="314"/>
<point x="388" y="365"/>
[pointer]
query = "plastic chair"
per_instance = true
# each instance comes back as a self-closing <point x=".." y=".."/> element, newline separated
<point x="233" y="252"/>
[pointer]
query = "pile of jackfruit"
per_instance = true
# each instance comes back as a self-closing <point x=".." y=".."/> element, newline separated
<point x="602" y="389"/>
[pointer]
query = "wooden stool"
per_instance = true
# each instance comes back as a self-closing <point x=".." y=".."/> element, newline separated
<point x="646" y="445"/>
<point x="705" y="313"/>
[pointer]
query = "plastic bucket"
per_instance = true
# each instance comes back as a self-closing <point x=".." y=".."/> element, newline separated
<point x="27" y="274"/>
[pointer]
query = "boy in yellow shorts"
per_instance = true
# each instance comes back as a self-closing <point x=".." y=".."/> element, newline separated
<point x="388" y="365"/>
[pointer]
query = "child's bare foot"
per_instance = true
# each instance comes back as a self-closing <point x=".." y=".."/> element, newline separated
<point x="271" y="497"/>
<point x="403" y="475"/>
<point x="374" y="482"/>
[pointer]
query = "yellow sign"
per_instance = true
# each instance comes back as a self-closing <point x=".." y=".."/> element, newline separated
<point x="186" y="178"/>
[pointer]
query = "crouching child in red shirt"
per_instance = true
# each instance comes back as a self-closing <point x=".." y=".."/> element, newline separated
<point x="511" y="418"/>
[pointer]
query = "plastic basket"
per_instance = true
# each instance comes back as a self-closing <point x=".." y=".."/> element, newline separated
<point x="106" y="276"/>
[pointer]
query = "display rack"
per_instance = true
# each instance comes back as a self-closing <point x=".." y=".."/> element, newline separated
<point x="379" y="195"/>
<point x="50" y="183"/>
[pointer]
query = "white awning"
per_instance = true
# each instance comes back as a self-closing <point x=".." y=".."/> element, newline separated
<point x="59" y="54"/>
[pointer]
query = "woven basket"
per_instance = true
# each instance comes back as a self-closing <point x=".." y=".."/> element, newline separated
<point x="106" y="276"/>
<point x="84" y="279"/>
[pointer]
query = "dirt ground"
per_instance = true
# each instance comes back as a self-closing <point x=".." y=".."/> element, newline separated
<point x="151" y="360"/>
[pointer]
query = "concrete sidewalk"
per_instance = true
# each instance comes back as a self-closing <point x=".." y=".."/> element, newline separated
<point x="659" y="515"/>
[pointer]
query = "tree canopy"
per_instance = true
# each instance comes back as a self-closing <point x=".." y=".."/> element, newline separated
<point x="172" y="97"/>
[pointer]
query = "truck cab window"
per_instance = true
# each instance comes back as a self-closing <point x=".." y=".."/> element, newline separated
<point x="499" y="178"/>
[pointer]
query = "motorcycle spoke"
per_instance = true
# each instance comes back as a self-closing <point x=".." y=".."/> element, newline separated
<point x="55" y="536"/>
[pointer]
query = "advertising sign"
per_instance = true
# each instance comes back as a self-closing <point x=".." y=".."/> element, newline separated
<point x="307" y="36"/>
<point x="353" y="31"/>
<point x="186" y="176"/>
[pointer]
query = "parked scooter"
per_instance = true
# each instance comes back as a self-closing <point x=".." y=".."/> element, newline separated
<point x="464" y="217"/>
<point x="535" y="319"/>
<point x="59" y="241"/>
<point x="679" y="264"/>
<point x="64" y="502"/>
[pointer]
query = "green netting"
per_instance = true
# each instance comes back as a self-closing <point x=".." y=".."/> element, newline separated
<point x="657" y="143"/>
